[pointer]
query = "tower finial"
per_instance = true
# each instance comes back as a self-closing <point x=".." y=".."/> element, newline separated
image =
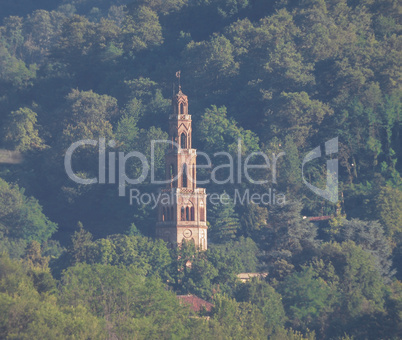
<point x="178" y="76"/>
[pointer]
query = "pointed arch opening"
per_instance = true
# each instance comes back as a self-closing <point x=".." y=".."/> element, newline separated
<point x="202" y="212"/>
<point x="183" y="214"/>
<point x="193" y="179"/>
<point x="184" y="175"/>
<point x="182" y="108"/>
<point x="183" y="141"/>
<point x="192" y="214"/>
<point x="187" y="213"/>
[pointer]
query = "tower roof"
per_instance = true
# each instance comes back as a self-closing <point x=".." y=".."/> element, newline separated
<point x="180" y="94"/>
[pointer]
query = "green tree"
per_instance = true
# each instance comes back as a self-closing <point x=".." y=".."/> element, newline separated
<point x="238" y="320"/>
<point x="81" y="240"/>
<point x="219" y="133"/>
<point x="41" y="29"/>
<point x="34" y="258"/>
<point x="28" y="312"/>
<point x="286" y="66"/>
<point x="287" y="233"/>
<point x="21" y="216"/>
<point x="389" y="210"/>
<point x="14" y="71"/>
<point x="298" y="115"/>
<point x="361" y="268"/>
<point x="160" y="6"/>
<point x="127" y="131"/>
<point x="13" y="34"/>
<point x="211" y="62"/>
<point x="268" y="301"/>
<point x="141" y="29"/>
<point x="360" y="289"/>
<point x="306" y="298"/>
<point x="88" y="115"/>
<point x="129" y="304"/>
<point x="74" y="41"/>
<point x="21" y="132"/>
<point x="224" y="221"/>
<point x="290" y="167"/>
<point x="370" y="236"/>
<point x="254" y="218"/>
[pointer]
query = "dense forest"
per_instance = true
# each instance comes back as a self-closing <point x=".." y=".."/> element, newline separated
<point x="80" y="262"/>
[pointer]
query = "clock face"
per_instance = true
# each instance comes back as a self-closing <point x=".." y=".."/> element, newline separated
<point x="187" y="233"/>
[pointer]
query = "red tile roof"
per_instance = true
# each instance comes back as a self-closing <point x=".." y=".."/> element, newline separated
<point x="319" y="218"/>
<point x="195" y="303"/>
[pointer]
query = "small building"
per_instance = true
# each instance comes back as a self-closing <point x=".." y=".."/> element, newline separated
<point x="244" y="277"/>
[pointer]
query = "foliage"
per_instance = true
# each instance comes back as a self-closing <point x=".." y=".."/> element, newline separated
<point x="224" y="221"/>
<point x="129" y="303"/>
<point x="370" y="236"/>
<point x="389" y="207"/>
<point x="287" y="233"/>
<point x="305" y="297"/>
<point x="282" y="76"/>
<point x="21" y="216"/>
<point x="22" y="133"/>
<point x="268" y="301"/>
<point x="28" y="313"/>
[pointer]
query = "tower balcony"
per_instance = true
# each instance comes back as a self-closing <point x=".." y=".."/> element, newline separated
<point x="176" y="191"/>
<point x="188" y="151"/>
<point x="176" y="151"/>
<point x="179" y="117"/>
<point x="174" y="223"/>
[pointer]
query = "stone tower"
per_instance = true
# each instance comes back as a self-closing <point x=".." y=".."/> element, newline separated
<point x="183" y="216"/>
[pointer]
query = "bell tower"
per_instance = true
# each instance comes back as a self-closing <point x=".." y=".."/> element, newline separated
<point x="184" y="215"/>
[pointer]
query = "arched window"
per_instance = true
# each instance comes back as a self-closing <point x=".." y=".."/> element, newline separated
<point x="202" y="212"/>
<point x="183" y="214"/>
<point x="181" y="108"/>
<point x="184" y="175"/>
<point x="163" y="214"/>
<point x="187" y="214"/>
<point x="171" y="171"/>
<point x="183" y="141"/>
<point x="192" y="214"/>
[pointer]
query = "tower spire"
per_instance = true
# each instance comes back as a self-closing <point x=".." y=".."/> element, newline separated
<point x="183" y="217"/>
